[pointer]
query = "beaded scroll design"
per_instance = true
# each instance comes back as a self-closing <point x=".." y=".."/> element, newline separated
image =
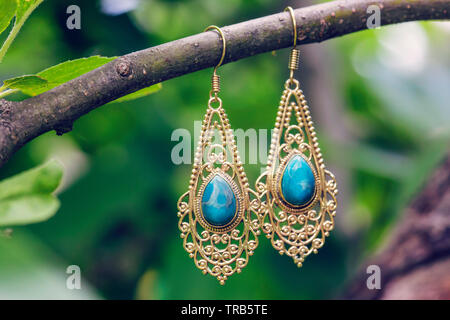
<point x="296" y="230"/>
<point x="225" y="249"/>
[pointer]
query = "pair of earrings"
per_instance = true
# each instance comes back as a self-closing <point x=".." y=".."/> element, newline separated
<point x="294" y="201"/>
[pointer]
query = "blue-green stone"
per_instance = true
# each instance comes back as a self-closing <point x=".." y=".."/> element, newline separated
<point x="218" y="202"/>
<point x="298" y="182"/>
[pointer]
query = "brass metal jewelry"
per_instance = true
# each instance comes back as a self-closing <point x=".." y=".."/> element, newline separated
<point x="298" y="193"/>
<point x="219" y="213"/>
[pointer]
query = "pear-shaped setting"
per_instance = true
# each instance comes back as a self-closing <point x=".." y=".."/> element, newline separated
<point x="219" y="204"/>
<point x="298" y="183"/>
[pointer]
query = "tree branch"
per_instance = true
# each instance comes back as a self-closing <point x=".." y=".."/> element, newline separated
<point x="58" y="108"/>
<point x="415" y="262"/>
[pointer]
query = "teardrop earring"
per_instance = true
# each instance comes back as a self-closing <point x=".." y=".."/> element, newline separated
<point x="218" y="220"/>
<point x="298" y="194"/>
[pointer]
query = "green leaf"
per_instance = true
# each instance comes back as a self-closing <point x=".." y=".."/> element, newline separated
<point x="65" y="72"/>
<point x="23" y="11"/>
<point x="25" y="7"/>
<point x="28" y="209"/>
<point x="24" y="82"/>
<point x="47" y="79"/>
<point x="140" y="93"/>
<point x="7" y="12"/>
<point x="27" y="197"/>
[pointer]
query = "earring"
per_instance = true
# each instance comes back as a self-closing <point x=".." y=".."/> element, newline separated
<point x="216" y="212"/>
<point x="298" y="194"/>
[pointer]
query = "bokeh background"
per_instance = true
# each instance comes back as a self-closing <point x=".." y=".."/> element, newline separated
<point x="379" y="98"/>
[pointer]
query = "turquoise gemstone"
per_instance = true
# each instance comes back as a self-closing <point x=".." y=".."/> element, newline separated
<point x="298" y="182"/>
<point x="218" y="202"/>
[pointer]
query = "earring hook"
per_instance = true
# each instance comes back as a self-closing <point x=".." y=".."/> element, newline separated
<point x="295" y="53"/>
<point x="215" y="82"/>
<point x="224" y="44"/>
<point x="294" y="23"/>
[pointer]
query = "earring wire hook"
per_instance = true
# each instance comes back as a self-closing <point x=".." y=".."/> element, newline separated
<point x="294" y="23"/>
<point x="224" y="44"/>
<point x="294" y="57"/>
<point x="215" y="81"/>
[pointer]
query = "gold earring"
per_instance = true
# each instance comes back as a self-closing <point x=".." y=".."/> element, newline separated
<point x="218" y="220"/>
<point x="298" y="194"/>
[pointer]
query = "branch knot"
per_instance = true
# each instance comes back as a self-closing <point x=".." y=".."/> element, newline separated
<point x="124" y="68"/>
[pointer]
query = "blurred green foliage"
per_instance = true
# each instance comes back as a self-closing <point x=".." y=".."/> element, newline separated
<point x="28" y="197"/>
<point x="117" y="219"/>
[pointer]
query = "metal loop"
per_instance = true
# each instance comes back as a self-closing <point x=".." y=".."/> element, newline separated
<point x="212" y="99"/>
<point x="292" y="81"/>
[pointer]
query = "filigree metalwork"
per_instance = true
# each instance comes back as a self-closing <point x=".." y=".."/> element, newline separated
<point x="296" y="231"/>
<point x="219" y="250"/>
